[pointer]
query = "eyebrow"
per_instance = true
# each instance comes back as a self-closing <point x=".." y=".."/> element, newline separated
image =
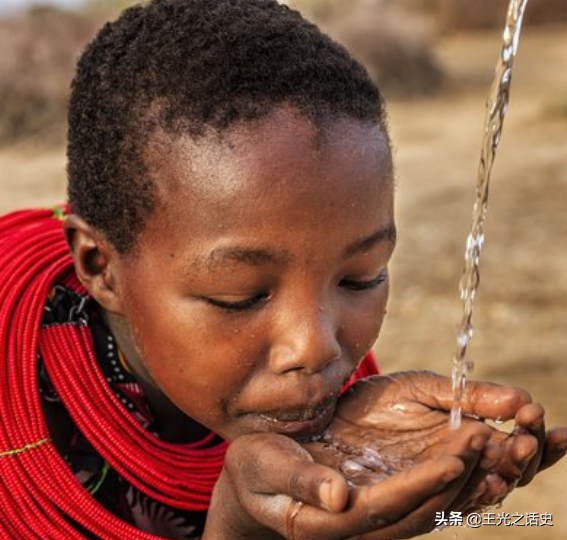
<point x="252" y="257"/>
<point x="368" y="242"/>
<point x="263" y="257"/>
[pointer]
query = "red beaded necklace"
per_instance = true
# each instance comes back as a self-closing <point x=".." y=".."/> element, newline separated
<point x="39" y="495"/>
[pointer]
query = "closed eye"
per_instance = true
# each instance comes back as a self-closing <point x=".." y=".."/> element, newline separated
<point x="240" y="305"/>
<point x="357" y="285"/>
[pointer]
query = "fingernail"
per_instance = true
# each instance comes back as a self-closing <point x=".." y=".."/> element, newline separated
<point x="527" y="453"/>
<point x="325" y="494"/>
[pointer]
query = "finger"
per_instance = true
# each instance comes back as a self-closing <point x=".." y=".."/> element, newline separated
<point x="496" y="489"/>
<point x="516" y="452"/>
<point x="519" y="450"/>
<point x="378" y="511"/>
<point x="373" y="508"/>
<point x="478" y="456"/>
<point x="521" y="454"/>
<point x="474" y="503"/>
<point x="270" y="464"/>
<point x="555" y="447"/>
<point x="422" y="518"/>
<point x="476" y="485"/>
<point x="481" y="399"/>
<point x="494" y="401"/>
<point x="531" y="419"/>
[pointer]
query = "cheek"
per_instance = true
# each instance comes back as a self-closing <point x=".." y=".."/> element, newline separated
<point x="190" y="356"/>
<point x="365" y="320"/>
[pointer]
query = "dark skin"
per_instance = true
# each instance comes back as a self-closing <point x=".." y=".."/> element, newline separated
<point x="266" y="261"/>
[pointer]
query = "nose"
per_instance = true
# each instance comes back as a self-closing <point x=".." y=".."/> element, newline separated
<point x="307" y="341"/>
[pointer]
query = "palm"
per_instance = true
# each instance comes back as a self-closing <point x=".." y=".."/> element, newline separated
<point x="381" y="427"/>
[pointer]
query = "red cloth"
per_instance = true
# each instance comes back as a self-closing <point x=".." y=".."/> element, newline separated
<point x="367" y="367"/>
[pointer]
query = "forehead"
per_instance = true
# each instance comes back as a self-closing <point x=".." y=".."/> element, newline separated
<point x="267" y="153"/>
<point x="279" y="174"/>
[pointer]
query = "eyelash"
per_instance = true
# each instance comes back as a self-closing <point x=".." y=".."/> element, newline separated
<point x="355" y="286"/>
<point x="242" y="305"/>
<point x="256" y="301"/>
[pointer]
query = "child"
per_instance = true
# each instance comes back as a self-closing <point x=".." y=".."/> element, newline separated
<point x="229" y="232"/>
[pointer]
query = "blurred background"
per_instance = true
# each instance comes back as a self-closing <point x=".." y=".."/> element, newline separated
<point x="434" y="61"/>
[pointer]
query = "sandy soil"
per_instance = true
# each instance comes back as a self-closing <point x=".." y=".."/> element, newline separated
<point x="521" y="334"/>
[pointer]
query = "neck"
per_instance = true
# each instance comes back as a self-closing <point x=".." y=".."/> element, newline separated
<point x="173" y="425"/>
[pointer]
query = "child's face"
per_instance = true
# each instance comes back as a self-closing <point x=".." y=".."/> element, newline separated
<point x="261" y="279"/>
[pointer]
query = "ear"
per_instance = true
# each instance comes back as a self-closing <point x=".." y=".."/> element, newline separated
<point x="95" y="262"/>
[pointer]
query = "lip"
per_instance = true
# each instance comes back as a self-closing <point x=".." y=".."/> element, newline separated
<point x="301" y="423"/>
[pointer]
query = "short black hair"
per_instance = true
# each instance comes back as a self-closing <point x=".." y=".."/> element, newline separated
<point x="188" y="66"/>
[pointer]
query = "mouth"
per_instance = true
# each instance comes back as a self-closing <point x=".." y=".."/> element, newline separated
<point x="301" y="424"/>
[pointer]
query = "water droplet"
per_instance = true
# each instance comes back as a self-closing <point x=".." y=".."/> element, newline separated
<point x="350" y="467"/>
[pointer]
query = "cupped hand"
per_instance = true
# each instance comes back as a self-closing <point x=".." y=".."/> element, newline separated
<point x="271" y="487"/>
<point x="385" y="466"/>
<point x="390" y="423"/>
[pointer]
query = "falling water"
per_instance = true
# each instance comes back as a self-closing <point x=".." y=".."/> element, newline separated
<point x="496" y="106"/>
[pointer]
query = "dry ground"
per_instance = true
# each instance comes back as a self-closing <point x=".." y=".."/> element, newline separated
<point x="521" y="333"/>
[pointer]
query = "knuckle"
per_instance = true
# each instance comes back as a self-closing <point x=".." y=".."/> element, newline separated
<point x="521" y="397"/>
<point x="298" y="485"/>
<point x="242" y="457"/>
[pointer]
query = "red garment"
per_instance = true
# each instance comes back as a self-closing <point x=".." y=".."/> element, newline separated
<point x="367" y="367"/>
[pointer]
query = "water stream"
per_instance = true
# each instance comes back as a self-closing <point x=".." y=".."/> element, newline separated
<point x="496" y="107"/>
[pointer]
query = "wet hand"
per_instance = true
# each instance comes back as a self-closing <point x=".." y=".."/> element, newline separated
<point x="272" y="487"/>
<point x="524" y="452"/>
<point x="388" y="463"/>
<point x="389" y="423"/>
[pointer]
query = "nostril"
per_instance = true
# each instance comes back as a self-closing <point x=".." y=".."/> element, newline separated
<point x="286" y="361"/>
<point x="313" y="365"/>
<point x="294" y="368"/>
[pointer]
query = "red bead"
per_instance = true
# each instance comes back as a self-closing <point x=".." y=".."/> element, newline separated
<point x="39" y="495"/>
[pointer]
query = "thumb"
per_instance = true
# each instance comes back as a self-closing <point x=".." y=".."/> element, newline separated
<point x="266" y="465"/>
